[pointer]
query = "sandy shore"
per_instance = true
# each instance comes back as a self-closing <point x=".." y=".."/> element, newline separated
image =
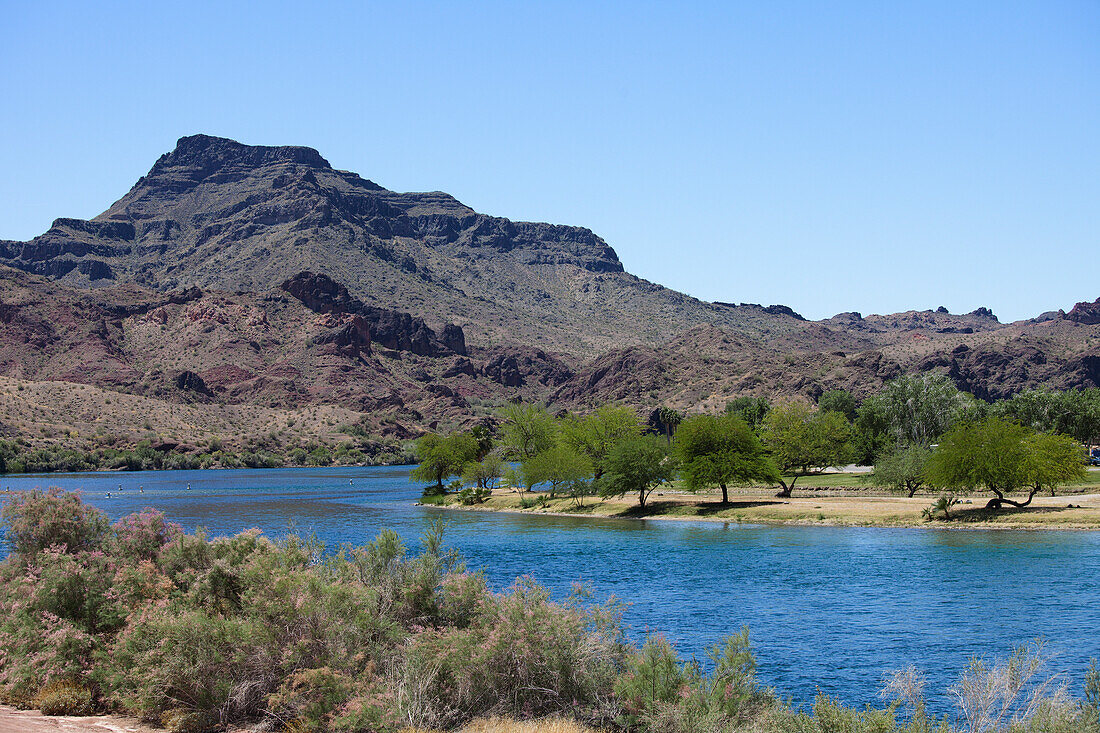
<point x="32" y="721"/>
<point x="1073" y="511"/>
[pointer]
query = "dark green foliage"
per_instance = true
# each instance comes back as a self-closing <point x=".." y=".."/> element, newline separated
<point x="637" y="465"/>
<point x="443" y="456"/>
<point x="720" y="452"/>
<point x="1074" y="412"/>
<point x="559" y="467"/>
<point x="910" y="410"/>
<point x="838" y="400"/>
<point x="752" y="410"/>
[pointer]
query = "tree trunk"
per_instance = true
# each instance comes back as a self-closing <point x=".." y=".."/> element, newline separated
<point x="641" y="498"/>
<point x="725" y="494"/>
<point x="787" y="488"/>
<point x="1022" y="504"/>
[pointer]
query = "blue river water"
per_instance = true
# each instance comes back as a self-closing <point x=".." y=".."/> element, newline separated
<point x="829" y="608"/>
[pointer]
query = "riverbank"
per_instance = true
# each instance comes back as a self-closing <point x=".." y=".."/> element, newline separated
<point x="817" y="506"/>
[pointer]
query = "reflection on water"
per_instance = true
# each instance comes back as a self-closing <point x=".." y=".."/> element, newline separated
<point x="830" y="608"/>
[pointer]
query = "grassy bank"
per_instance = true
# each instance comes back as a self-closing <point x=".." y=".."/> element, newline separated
<point x="198" y="634"/>
<point x="829" y="499"/>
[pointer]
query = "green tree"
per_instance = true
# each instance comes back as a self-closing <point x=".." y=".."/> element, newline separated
<point x="918" y="409"/>
<point x="669" y="420"/>
<point x="904" y="468"/>
<point x="486" y="473"/>
<point x="637" y="465"/>
<point x="442" y="457"/>
<point x="838" y="400"/>
<point x="804" y="440"/>
<point x="1054" y="460"/>
<point x="720" y="451"/>
<point x="559" y="466"/>
<point x="1004" y="457"/>
<point x="596" y="434"/>
<point x="1074" y="412"/>
<point x="752" y="410"/>
<point x="527" y="430"/>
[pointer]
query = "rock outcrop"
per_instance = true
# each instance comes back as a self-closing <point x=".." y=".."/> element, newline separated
<point x="392" y="329"/>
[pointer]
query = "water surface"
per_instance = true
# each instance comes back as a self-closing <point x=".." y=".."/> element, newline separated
<point x="829" y="608"/>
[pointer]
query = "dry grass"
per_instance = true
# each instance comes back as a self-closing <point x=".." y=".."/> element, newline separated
<point x="73" y="414"/>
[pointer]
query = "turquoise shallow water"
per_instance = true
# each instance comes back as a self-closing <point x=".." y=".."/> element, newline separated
<point x="829" y="608"/>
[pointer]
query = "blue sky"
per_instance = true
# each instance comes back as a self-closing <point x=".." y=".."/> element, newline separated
<point x="870" y="156"/>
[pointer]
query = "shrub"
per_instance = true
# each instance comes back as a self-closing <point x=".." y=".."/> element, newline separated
<point x="473" y="495"/>
<point x="142" y="535"/>
<point x="65" y="698"/>
<point x="521" y="655"/>
<point x="309" y="697"/>
<point x="209" y="669"/>
<point x="37" y="519"/>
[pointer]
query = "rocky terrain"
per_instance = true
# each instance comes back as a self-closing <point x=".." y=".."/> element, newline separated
<point x="261" y="278"/>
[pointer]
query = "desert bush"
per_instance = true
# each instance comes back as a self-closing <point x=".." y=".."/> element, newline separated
<point x="520" y="655"/>
<point x="1010" y="692"/>
<point x="197" y="634"/>
<point x="216" y="668"/>
<point x="35" y="520"/>
<point x="142" y="535"/>
<point x="660" y="693"/>
<point x="65" y="698"/>
<point x="473" y="495"/>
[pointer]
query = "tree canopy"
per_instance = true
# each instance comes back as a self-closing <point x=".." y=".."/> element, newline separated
<point x="918" y="409"/>
<point x="905" y="468"/>
<point x="719" y="452"/>
<point x="750" y="409"/>
<point x="802" y="439"/>
<point x="1004" y="457"/>
<point x="527" y="430"/>
<point x="559" y="466"/>
<point x="639" y="465"/>
<point x="442" y="457"/>
<point x="594" y="435"/>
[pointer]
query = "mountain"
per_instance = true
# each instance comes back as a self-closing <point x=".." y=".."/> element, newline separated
<point x="220" y="215"/>
<point x="236" y="275"/>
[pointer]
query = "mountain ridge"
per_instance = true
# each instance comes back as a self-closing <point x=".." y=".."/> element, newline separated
<point x="261" y="275"/>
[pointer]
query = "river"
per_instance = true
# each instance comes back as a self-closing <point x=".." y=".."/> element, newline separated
<point x="829" y="608"/>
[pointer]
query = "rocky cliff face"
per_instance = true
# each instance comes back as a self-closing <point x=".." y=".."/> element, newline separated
<point x="393" y="329"/>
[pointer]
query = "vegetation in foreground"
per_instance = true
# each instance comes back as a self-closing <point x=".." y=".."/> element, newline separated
<point x="196" y="634"/>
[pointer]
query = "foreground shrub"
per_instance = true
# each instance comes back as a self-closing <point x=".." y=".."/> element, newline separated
<point x="35" y="520"/>
<point x="65" y="698"/>
<point x="519" y="655"/>
<point x="218" y="669"/>
<point x="199" y="634"/>
<point x="660" y="693"/>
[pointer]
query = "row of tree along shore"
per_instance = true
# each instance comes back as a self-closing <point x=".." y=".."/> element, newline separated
<point x="919" y="432"/>
<point x="198" y="634"/>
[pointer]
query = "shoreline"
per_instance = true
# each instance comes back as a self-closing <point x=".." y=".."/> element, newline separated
<point x="878" y="512"/>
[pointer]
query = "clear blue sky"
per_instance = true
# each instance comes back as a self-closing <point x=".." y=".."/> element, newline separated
<point x="871" y="156"/>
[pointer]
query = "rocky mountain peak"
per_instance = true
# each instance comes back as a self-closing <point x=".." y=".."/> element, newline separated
<point x="206" y="155"/>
